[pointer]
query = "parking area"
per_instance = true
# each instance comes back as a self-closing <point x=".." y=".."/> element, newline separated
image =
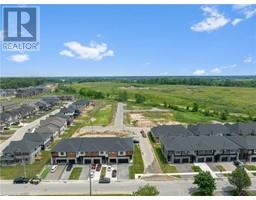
<point x="184" y="168"/>
<point x="222" y="166"/>
<point x="123" y="171"/>
<point x="57" y="174"/>
<point x="85" y="172"/>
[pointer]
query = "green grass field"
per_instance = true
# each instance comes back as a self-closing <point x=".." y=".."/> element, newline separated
<point x="75" y="174"/>
<point x="238" y="101"/>
<point x="138" y="165"/>
<point x="164" y="165"/>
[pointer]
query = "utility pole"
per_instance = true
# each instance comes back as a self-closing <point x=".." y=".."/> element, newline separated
<point x="90" y="178"/>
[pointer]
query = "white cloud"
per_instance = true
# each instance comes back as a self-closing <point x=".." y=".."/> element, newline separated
<point x="250" y="12"/>
<point x="213" y="21"/>
<point x="19" y="58"/>
<point x="199" y="72"/>
<point x="67" y="53"/>
<point x="229" y="66"/>
<point x="93" y="51"/>
<point x="248" y="59"/>
<point x="240" y="6"/>
<point x="236" y="21"/>
<point x="98" y="35"/>
<point x="216" y="70"/>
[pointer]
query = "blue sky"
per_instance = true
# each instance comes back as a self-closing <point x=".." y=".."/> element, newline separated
<point x="136" y="40"/>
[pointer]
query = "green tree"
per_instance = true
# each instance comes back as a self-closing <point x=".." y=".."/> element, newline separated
<point x="205" y="182"/>
<point x="146" y="190"/>
<point x="195" y="107"/>
<point x="240" y="179"/>
<point x="122" y="96"/>
<point x="139" y="98"/>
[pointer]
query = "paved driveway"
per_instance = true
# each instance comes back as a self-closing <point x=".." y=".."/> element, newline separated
<point x="122" y="171"/>
<point x="186" y="167"/>
<point x="85" y="172"/>
<point x="65" y="175"/>
<point x="57" y="174"/>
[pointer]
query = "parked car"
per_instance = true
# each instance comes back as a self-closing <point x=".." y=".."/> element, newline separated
<point x="104" y="180"/>
<point x="143" y="133"/>
<point x="136" y="141"/>
<point x="21" y="180"/>
<point x="114" y="173"/>
<point x="109" y="168"/>
<point x="35" y="180"/>
<point x="98" y="167"/>
<point x="93" y="166"/>
<point x="54" y="168"/>
<point x="69" y="167"/>
<point x="92" y="174"/>
<point x="238" y="163"/>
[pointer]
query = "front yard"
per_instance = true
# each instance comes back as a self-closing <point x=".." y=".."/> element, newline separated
<point x="31" y="170"/>
<point x="164" y="165"/>
<point x="75" y="174"/>
<point x="138" y="165"/>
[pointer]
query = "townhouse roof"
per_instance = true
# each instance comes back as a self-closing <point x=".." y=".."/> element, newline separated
<point x="209" y="129"/>
<point x="242" y="128"/>
<point x="170" y="130"/>
<point x="37" y="137"/>
<point x="197" y="143"/>
<point x="94" y="144"/>
<point x="24" y="146"/>
<point x="246" y="142"/>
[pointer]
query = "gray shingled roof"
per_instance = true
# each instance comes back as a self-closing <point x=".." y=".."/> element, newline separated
<point x="194" y="143"/>
<point x="24" y="146"/>
<point x="170" y="130"/>
<point x="209" y="129"/>
<point x="94" y="144"/>
<point x="246" y="142"/>
<point x="37" y="137"/>
<point x="242" y="128"/>
<point x="46" y="129"/>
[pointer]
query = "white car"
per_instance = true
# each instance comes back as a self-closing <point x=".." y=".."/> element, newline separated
<point x="54" y="168"/>
<point x="109" y="168"/>
<point x="91" y="174"/>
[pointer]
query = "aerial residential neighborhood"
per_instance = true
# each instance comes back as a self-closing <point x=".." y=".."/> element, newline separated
<point x="128" y="100"/>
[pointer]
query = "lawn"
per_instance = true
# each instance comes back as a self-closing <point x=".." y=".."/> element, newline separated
<point x="164" y="165"/>
<point x="236" y="100"/>
<point x="250" y="167"/>
<point x="196" y="169"/>
<point x="138" y="165"/>
<point x="103" y="172"/>
<point x="220" y="168"/>
<point x="44" y="173"/>
<point x="11" y="172"/>
<point x="75" y="174"/>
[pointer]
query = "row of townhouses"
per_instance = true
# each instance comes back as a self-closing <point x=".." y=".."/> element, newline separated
<point x="24" y="92"/>
<point x="93" y="150"/>
<point x="29" y="148"/>
<point x="207" y="142"/>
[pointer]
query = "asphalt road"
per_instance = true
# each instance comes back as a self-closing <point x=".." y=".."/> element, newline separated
<point x="19" y="133"/>
<point x="172" y="188"/>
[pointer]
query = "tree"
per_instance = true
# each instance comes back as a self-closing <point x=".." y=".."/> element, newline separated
<point x="240" y="179"/>
<point x="146" y="190"/>
<point x="122" y="96"/>
<point x="205" y="182"/>
<point x="139" y="98"/>
<point x="195" y="107"/>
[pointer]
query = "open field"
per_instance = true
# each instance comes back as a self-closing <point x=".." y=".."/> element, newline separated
<point x="239" y="102"/>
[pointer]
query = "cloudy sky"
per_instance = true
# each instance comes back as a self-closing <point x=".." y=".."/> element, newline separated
<point x="88" y="40"/>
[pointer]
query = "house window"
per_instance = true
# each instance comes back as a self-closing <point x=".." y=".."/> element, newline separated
<point x="62" y="153"/>
<point x="121" y="153"/>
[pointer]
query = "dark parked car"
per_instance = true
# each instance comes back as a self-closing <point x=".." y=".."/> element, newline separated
<point x="35" y="180"/>
<point x="98" y="167"/>
<point x="114" y="173"/>
<point x="69" y="167"/>
<point x="21" y="180"/>
<point x="238" y="163"/>
<point x="136" y="141"/>
<point x="104" y="180"/>
<point x="143" y="133"/>
<point x="93" y="166"/>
